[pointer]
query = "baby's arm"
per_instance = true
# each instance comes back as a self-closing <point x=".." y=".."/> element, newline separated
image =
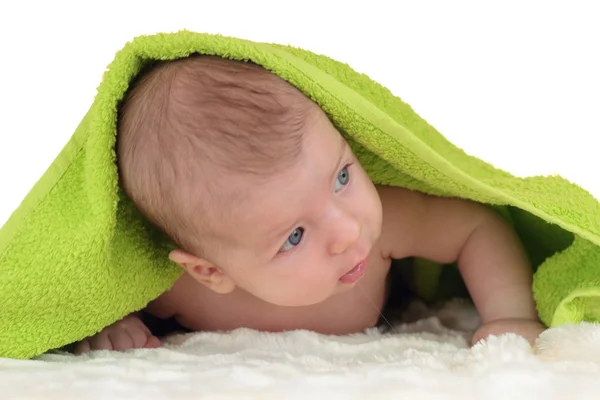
<point x="490" y="257"/>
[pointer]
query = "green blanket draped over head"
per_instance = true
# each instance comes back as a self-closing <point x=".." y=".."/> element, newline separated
<point x="76" y="256"/>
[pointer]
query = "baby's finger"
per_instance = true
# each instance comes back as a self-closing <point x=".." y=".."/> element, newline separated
<point x="100" y="342"/>
<point x="139" y="324"/>
<point x="149" y="340"/>
<point x="152" y="343"/>
<point x="82" y="347"/>
<point x="138" y="336"/>
<point x="120" y="339"/>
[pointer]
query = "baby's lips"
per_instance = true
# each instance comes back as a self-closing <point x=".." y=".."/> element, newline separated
<point x="355" y="273"/>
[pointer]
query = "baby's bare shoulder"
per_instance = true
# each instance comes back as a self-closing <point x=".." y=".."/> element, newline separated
<point x="192" y="304"/>
<point x="408" y="204"/>
<point x="412" y="221"/>
<point x="391" y="194"/>
<point x="408" y="215"/>
<point x="169" y="303"/>
<point x="160" y="307"/>
<point x="400" y="215"/>
<point x="399" y="205"/>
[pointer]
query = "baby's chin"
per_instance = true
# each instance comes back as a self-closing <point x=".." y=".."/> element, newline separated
<point x="305" y="301"/>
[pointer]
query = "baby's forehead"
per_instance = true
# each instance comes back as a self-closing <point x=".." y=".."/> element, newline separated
<point x="320" y="151"/>
<point x="236" y="203"/>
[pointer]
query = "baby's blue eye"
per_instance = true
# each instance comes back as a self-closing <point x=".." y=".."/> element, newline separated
<point x="293" y="240"/>
<point x="342" y="179"/>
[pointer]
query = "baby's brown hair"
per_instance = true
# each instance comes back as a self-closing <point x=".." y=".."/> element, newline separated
<point x="185" y="124"/>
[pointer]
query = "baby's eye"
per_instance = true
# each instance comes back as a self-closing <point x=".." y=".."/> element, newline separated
<point x="293" y="240"/>
<point x="342" y="179"/>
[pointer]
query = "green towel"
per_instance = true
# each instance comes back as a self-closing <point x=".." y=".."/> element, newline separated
<point x="76" y="256"/>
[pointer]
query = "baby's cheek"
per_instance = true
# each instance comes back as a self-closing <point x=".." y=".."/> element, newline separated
<point x="310" y="286"/>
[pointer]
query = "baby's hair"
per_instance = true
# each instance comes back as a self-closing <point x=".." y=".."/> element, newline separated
<point x="185" y="124"/>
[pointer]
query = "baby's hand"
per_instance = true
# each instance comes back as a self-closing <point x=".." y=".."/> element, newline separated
<point x="128" y="333"/>
<point x="529" y="329"/>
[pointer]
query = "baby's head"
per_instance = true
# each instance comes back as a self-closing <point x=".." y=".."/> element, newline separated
<point x="249" y="178"/>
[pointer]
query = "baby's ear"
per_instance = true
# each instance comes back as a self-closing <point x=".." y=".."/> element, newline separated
<point x="203" y="271"/>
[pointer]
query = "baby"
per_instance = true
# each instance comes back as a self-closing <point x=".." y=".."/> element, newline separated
<point x="278" y="225"/>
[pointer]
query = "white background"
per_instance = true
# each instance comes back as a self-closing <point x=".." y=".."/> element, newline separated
<point x="513" y="82"/>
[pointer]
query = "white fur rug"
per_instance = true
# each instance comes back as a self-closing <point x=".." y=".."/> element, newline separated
<point x="420" y="360"/>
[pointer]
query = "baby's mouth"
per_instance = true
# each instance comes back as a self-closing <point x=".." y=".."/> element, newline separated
<point x="355" y="273"/>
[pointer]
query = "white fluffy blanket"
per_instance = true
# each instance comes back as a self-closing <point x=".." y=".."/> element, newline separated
<point x="420" y="360"/>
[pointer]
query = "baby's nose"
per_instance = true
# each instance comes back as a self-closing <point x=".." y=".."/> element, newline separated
<point x="345" y="236"/>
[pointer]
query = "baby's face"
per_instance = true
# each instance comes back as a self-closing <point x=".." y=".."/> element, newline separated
<point x="297" y="238"/>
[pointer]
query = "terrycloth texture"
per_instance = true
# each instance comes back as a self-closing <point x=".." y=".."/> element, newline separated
<point x="424" y="360"/>
<point x="76" y="256"/>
